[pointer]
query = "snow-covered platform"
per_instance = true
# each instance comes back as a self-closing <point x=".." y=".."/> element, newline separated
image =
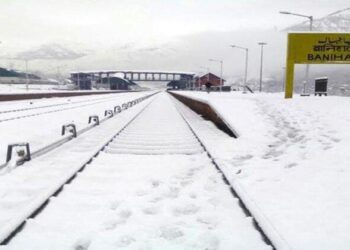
<point x="291" y="161"/>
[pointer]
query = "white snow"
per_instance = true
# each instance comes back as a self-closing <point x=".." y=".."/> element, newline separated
<point x="42" y="126"/>
<point x="144" y="201"/>
<point x="291" y="162"/>
<point x="29" y="185"/>
<point x="21" y="88"/>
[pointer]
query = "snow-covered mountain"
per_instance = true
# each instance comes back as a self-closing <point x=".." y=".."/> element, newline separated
<point x="338" y="21"/>
<point x="51" y="51"/>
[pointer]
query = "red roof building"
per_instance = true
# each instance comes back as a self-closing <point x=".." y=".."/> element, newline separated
<point x="213" y="79"/>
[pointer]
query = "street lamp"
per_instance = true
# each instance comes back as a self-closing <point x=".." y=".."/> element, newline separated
<point x="311" y="19"/>
<point x="261" y="63"/>
<point x="221" y="63"/>
<point x="246" y="65"/>
<point x="27" y="78"/>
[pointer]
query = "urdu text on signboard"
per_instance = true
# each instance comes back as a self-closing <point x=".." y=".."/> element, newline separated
<point x="318" y="48"/>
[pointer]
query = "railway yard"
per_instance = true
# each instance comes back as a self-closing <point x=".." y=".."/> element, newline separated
<point x="142" y="170"/>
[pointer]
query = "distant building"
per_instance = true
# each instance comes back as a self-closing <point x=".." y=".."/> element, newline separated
<point x="116" y="83"/>
<point x="177" y="84"/>
<point x="210" y="77"/>
<point x="88" y="81"/>
<point x="82" y="81"/>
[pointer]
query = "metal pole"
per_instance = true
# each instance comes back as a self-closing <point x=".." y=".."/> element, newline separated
<point x="261" y="67"/>
<point x="311" y="22"/>
<point x="246" y="66"/>
<point x="246" y="70"/>
<point x="261" y="64"/>
<point x="27" y="80"/>
<point x="307" y="70"/>
<point x="78" y="79"/>
<point x="221" y="82"/>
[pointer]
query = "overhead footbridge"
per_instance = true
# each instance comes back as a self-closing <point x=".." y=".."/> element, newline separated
<point x="84" y="79"/>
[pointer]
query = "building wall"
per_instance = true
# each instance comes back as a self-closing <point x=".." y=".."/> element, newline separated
<point x="213" y="79"/>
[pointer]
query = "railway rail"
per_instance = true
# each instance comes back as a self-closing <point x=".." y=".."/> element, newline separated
<point x="59" y="103"/>
<point x="69" y="131"/>
<point x="154" y="165"/>
<point x="26" y="96"/>
<point x="51" y="109"/>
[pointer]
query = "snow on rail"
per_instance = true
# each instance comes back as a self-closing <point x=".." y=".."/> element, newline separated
<point x="27" y="188"/>
<point x="43" y="126"/>
<point x="140" y="200"/>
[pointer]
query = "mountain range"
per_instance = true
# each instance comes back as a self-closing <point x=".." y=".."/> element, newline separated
<point x="338" y="21"/>
<point x="51" y="51"/>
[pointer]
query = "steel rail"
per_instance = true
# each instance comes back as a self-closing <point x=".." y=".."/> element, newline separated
<point x="244" y="207"/>
<point x="49" y="106"/>
<point x="19" y="226"/>
<point x="53" y="145"/>
<point x="51" y="111"/>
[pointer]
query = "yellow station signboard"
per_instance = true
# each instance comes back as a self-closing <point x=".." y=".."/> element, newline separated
<point x="315" y="48"/>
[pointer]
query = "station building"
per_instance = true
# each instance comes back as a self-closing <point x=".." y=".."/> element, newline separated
<point x="209" y="77"/>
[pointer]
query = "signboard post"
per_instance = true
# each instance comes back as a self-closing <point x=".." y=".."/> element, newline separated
<point x="315" y="48"/>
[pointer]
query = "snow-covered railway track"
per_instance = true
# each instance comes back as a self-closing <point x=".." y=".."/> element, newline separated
<point x="16" y="114"/>
<point x="65" y="101"/>
<point x="153" y="186"/>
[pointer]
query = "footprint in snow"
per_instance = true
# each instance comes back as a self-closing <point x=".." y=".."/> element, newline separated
<point x="187" y="209"/>
<point x="150" y="210"/>
<point x="82" y="244"/>
<point x="156" y="199"/>
<point x="114" y="205"/>
<point x="141" y="192"/>
<point x="173" y="192"/>
<point x="125" y="241"/>
<point x="192" y="196"/>
<point x="210" y="221"/>
<point x="208" y="241"/>
<point x="185" y="183"/>
<point x="335" y="139"/>
<point x="112" y="224"/>
<point x="125" y="213"/>
<point x="171" y="233"/>
<point x="155" y="183"/>
<point x="291" y="165"/>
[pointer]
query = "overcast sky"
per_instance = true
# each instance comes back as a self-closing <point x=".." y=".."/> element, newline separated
<point x="40" y="21"/>
<point x="122" y="33"/>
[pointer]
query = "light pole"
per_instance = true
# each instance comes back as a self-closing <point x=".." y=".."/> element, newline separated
<point x="27" y="79"/>
<point x="261" y="63"/>
<point x="246" y="65"/>
<point x="221" y="63"/>
<point x="311" y="19"/>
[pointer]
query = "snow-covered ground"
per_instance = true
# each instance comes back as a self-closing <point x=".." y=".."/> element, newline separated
<point x="24" y="188"/>
<point x="21" y="88"/>
<point x="42" y="126"/>
<point x="153" y="187"/>
<point x="291" y="159"/>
